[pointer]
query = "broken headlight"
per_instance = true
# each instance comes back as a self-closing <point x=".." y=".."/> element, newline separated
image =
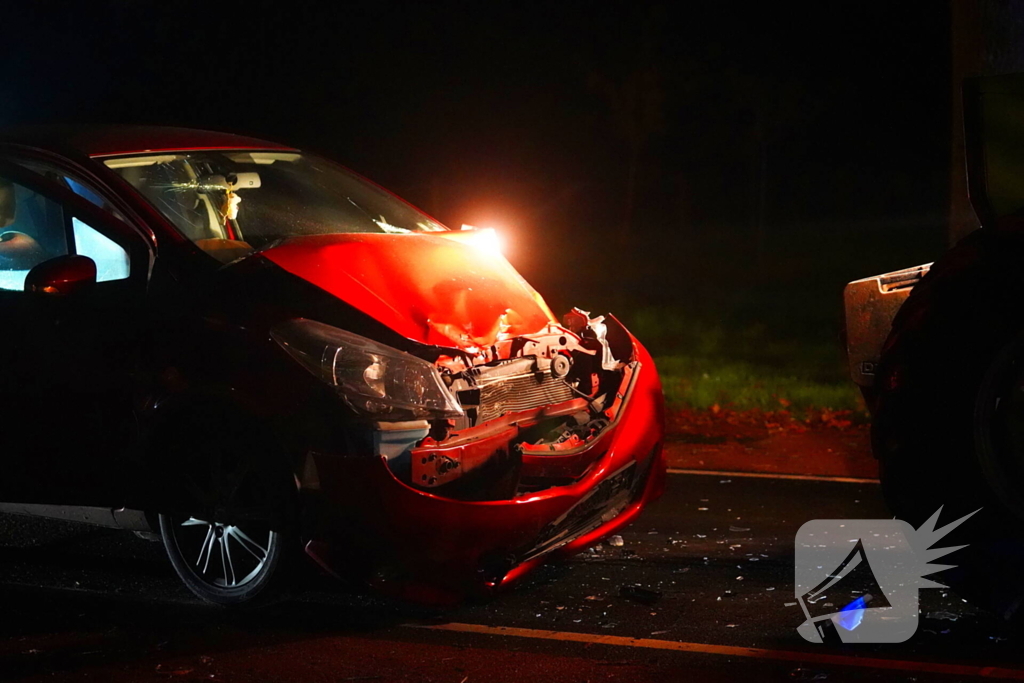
<point x="375" y="380"/>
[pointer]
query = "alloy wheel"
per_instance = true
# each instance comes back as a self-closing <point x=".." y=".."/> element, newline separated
<point x="227" y="556"/>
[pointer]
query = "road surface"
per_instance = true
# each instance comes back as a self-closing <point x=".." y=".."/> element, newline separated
<point x="82" y="603"/>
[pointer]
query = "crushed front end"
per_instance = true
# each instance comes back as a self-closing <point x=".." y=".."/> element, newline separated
<point x="558" y="445"/>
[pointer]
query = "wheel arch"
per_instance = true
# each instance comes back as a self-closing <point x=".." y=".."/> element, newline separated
<point x="198" y="414"/>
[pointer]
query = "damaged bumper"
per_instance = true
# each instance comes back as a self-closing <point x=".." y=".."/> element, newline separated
<point x="569" y="493"/>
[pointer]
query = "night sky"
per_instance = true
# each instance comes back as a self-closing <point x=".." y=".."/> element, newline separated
<point x="532" y="118"/>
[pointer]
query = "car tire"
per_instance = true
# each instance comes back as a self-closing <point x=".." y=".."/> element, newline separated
<point x="229" y="518"/>
<point x="224" y="563"/>
<point x="945" y="357"/>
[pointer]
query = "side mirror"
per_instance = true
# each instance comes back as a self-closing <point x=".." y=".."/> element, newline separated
<point x="62" y="275"/>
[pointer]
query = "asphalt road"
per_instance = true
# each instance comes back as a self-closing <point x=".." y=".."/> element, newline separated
<point x="81" y="603"/>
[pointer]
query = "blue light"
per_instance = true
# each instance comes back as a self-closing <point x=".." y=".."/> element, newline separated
<point x="851" y="615"/>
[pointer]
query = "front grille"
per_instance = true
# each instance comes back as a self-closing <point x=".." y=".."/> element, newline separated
<point x="521" y="392"/>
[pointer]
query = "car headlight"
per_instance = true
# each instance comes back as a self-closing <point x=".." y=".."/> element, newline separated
<point x="375" y="380"/>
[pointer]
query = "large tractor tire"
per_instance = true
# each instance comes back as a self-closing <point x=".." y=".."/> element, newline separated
<point x="948" y="427"/>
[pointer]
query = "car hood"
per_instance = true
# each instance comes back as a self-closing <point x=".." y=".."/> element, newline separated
<point x="438" y="289"/>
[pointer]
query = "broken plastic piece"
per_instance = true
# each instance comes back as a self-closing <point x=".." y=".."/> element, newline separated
<point x="576" y="320"/>
<point x="640" y="594"/>
<point x="943" y="616"/>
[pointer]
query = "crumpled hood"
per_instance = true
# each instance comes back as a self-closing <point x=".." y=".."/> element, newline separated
<point x="434" y="289"/>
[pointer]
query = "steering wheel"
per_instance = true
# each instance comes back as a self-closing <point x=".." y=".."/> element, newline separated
<point x="19" y="251"/>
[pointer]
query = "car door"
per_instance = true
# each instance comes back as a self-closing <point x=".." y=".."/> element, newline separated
<point x="66" y="359"/>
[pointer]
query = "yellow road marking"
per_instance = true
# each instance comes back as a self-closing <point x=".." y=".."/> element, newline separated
<point x="771" y="475"/>
<point x="732" y="651"/>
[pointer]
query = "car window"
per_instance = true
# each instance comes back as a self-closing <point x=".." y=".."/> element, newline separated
<point x="31" y="231"/>
<point x="232" y="203"/>
<point x="111" y="258"/>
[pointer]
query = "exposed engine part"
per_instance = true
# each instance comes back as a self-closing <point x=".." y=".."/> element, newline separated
<point x="568" y="435"/>
<point x="490" y="391"/>
<point x="525" y="399"/>
<point x="546" y="343"/>
<point x="544" y="369"/>
<point x="560" y="366"/>
<point x="517" y="451"/>
<point x="520" y="393"/>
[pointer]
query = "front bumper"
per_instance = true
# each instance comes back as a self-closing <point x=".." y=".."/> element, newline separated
<point x="413" y="538"/>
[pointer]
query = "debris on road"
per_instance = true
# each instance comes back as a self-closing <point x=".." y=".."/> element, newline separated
<point x="615" y="541"/>
<point x="169" y="671"/>
<point x="943" y="616"/>
<point x="646" y="596"/>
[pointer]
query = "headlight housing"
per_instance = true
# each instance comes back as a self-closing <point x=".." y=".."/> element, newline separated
<point x="375" y="380"/>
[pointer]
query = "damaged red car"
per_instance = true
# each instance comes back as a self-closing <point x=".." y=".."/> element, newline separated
<point x="248" y="351"/>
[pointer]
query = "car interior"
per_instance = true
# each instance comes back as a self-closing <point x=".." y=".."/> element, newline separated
<point x="171" y="183"/>
<point x="31" y="231"/>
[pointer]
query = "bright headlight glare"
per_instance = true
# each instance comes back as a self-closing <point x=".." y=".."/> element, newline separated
<point x="376" y="380"/>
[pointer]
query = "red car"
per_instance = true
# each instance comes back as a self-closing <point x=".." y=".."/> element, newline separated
<point x="251" y="349"/>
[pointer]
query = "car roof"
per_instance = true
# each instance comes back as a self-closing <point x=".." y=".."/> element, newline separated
<point x="97" y="141"/>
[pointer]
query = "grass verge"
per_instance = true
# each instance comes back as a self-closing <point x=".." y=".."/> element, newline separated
<point x="741" y="365"/>
<point x="705" y="382"/>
